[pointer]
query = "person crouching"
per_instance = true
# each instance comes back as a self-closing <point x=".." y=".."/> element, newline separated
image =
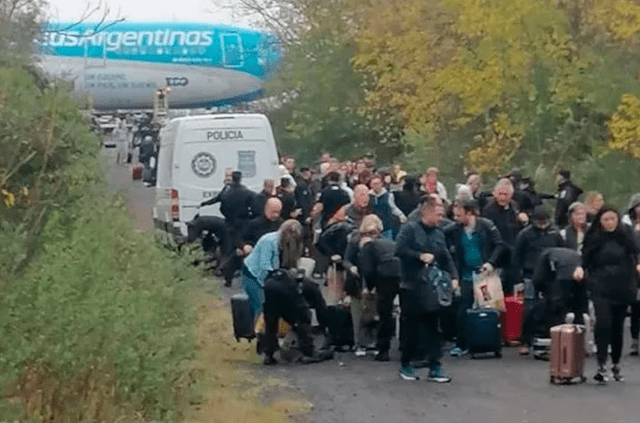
<point x="284" y="298"/>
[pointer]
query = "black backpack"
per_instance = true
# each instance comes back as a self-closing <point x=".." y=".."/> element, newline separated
<point x="388" y="264"/>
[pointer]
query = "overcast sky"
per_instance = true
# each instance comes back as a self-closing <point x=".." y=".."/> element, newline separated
<point x="148" y="10"/>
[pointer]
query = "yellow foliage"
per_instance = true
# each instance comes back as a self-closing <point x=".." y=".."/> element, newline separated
<point x="497" y="145"/>
<point x="624" y="126"/>
<point x="620" y="17"/>
<point x="8" y="198"/>
<point x="443" y="62"/>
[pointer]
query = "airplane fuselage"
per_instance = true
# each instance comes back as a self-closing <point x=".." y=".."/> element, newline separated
<point x="122" y="65"/>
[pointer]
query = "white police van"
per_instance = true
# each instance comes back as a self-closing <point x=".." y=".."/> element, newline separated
<point x="194" y="153"/>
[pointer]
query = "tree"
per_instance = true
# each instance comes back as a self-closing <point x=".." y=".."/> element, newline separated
<point x="317" y="92"/>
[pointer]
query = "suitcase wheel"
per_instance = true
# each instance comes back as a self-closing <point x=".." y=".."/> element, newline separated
<point x="237" y="339"/>
<point x="473" y="356"/>
<point x="498" y="354"/>
<point x="552" y="379"/>
<point x="583" y="379"/>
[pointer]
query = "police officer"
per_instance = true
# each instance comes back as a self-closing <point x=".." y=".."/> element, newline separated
<point x="236" y="206"/>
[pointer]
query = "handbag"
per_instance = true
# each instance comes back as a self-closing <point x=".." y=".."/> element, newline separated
<point x="335" y="282"/>
<point x="438" y="288"/>
<point x="487" y="290"/>
<point x="369" y="308"/>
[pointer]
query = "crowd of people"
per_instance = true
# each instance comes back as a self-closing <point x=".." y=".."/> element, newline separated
<point x="373" y="232"/>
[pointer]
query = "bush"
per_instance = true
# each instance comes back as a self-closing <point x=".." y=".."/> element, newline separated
<point x="100" y="296"/>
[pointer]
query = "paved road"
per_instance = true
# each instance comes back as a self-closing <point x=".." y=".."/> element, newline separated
<point x="511" y="389"/>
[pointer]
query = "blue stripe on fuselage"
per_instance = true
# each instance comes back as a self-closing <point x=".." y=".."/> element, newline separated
<point x="198" y="44"/>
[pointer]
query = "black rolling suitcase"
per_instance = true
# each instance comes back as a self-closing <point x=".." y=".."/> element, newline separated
<point x="243" y="326"/>
<point x="483" y="331"/>
<point x="340" y="327"/>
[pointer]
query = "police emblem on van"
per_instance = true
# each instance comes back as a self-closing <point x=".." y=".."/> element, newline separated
<point x="203" y="164"/>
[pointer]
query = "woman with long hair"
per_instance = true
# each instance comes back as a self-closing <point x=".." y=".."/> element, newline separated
<point x="272" y="251"/>
<point x="610" y="266"/>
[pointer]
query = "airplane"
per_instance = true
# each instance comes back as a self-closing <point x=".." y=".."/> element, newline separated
<point x="121" y="65"/>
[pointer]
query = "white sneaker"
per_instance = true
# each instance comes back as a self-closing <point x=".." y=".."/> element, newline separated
<point x="360" y="352"/>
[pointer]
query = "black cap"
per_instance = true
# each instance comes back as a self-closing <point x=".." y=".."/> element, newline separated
<point x="565" y="174"/>
<point x="540" y="213"/>
<point x="236" y="176"/>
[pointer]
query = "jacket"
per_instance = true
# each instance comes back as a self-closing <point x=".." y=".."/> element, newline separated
<point x="490" y="239"/>
<point x="265" y="257"/>
<point x="530" y="243"/>
<point x="356" y="215"/>
<point x="568" y="193"/>
<point x="384" y="207"/>
<point x="504" y="219"/>
<point x="373" y="255"/>
<point x="413" y="240"/>
<point x="610" y="259"/>
<point x="258" y="227"/>
<point x="304" y="197"/>
<point x="407" y="200"/>
<point x="334" y="239"/>
<point x="259" y="202"/>
<point x="553" y="276"/>
<point x="237" y="202"/>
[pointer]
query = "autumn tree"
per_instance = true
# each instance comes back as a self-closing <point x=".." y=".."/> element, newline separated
<point x="318" y="94"/>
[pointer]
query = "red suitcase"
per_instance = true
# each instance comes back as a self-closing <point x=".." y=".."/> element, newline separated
<point x="567" y="353"/>
<point x="511" y="319"/>
<point x="136" y="172"/>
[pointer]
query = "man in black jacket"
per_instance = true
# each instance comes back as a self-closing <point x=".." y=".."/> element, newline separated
<point x="503" y="212"/>
<point x="268" y="221"/>
<point x="409" y="197"/>
<point x="419" y="244"/>
<point x="477" y="246"/>
<point x="286" y="194"/>
<point x="568" y="193"/>
<point x="268" y="191"/>
<point x="562" y="292"/>
<point x="305" y="194"/>
<point x="332" y="198"/>
<point x="236" y="205"/>
<point x="530" y="243"/>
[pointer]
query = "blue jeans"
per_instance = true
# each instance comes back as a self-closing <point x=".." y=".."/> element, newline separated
<point x="254" y="291"/>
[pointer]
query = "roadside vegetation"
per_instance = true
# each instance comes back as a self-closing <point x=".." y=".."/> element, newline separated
<point x="94" y="318"/>
<point x="97" y="322"/>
